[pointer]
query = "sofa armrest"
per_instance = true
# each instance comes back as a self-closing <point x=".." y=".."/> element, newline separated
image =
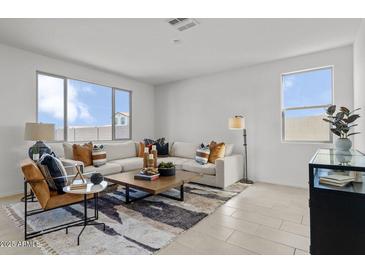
<point x="229" y="170"/>
<point x="70" y="166"/>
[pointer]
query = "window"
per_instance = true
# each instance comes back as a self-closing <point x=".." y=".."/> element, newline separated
<point x="122" y="111"/>
<point x="88" y="111"/>
<point x="51" y="103"/>
<point x="305" y="97"/>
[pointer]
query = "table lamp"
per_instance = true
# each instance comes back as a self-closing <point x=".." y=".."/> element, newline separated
<point x="238" y="123"/>
<point x="39" y="132"/>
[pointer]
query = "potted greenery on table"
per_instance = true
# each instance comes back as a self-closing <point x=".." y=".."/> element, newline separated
<point x="340" y="124"/>
<point x="166" y="169"/>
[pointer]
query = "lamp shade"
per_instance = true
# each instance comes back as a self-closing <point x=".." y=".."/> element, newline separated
<point x="39" y="131"/>
<point x="236" y="122"/>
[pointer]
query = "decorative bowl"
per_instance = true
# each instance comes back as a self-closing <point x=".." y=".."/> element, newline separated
<point x="96" y="178"/>
<point x="167" y="171"/>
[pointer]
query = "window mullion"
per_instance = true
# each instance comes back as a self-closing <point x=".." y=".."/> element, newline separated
<point x="306" y="107"/>
<point x="65" y="124"/>
<point x="113" y="114"/>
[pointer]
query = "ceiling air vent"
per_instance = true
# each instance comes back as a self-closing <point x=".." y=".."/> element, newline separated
<point x="182" y="24"/>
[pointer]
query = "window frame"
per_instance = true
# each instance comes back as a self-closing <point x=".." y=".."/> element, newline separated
<point x="283" y="110"/>
<point x="65" y="102"/>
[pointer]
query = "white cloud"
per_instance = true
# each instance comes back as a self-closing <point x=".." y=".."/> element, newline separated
<point x="288" y="83"/>
<point x="50" y="96"/>
<point x="50" y="100"/>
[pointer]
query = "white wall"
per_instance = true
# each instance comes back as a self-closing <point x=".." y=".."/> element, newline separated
<point x="198" y="109"/>
<point x="359" y="85"/>
<point x="18" y="105"/>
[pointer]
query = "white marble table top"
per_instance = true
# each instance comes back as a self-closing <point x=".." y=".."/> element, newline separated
<point x="90" y="188"/>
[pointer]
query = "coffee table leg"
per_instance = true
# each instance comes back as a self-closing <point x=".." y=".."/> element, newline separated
<point x="96" y="211"/>
<point x="85" y="219"/>
<point x="182" y="192"/>
<point x="127" y="194"/>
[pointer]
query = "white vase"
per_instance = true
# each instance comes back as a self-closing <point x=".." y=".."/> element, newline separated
<point x="343" y="144"/>
<point x="35" y="156"/>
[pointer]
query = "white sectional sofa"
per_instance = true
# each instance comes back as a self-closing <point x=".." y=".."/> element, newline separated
<point x="122" y="157"/>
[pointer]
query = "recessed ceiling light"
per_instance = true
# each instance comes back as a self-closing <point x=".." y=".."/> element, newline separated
<point x="176" y="41"/>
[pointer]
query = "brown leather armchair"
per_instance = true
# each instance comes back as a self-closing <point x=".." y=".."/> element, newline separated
<point x="48" y="199"/>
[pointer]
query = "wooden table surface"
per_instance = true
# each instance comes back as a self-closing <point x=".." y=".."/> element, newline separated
<point x="162" y="184"/>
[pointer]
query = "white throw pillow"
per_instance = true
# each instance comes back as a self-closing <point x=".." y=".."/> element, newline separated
<point x="115" y="151"/>
<point x="228" y="150"/>
<point x="184" y="150"/>
<point x="68" y="151"/>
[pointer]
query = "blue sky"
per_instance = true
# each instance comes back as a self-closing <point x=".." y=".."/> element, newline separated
<point x="88" y="104"/>
<point x="307" y="89"/>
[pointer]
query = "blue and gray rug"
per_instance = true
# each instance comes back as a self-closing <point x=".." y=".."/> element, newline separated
<point x="142" y="227"/>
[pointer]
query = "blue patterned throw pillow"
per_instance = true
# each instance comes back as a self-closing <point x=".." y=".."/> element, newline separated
<point x="202" y="154"/>
<point x="98" y="155"/>
<point x="54" y="172"/>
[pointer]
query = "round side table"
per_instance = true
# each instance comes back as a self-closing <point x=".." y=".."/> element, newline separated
<point x="90" y="189"/>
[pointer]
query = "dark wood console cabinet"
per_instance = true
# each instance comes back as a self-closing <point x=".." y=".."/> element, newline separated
<point x="337" y="214"/>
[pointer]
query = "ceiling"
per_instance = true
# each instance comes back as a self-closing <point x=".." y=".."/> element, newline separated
<point x="144" y="49"/>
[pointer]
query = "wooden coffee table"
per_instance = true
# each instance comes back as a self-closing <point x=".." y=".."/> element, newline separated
<point x="156" y="187"/>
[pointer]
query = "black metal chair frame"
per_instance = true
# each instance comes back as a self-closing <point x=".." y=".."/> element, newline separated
<point x="80" y="222"/>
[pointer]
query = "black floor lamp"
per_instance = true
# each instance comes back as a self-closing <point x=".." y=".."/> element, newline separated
<point x="238" y="123"/>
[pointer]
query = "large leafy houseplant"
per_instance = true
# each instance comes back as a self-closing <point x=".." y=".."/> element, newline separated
<point x="341" y="123"/>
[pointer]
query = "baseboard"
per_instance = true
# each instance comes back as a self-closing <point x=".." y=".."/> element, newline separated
<point x="281" y="184"/>
<point x="11" y="193"/>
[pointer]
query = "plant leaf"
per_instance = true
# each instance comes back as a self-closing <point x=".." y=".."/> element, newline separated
<point x="345" y="110"/>
<point x="339" y="116"/>
<point x="327" y="120"/>
<point x="354" y="133"/>
<point x="352" y="118"/>
<point x="331" y="109"/>
<point x="335" y="131"/>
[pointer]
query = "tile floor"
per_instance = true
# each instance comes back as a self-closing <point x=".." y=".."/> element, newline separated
<point x="264" y="219"/>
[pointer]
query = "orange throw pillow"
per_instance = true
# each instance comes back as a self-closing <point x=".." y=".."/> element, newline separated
<point x="141" y="150"/>
<point x="83" y="153"/>
<point x="216" y="151"/>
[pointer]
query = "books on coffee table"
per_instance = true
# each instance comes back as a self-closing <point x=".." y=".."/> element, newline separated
<point x="146" y="177"/>
<point x="78" y="186"/>
<point x="336" y="180"/>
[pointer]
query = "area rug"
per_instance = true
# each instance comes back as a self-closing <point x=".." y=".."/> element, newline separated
<point x="142" y="227"/>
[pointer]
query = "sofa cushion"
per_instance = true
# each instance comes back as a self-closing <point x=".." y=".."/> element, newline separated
<point x="193" y="166"/>
<point x="57" y="149"/>
<point x="176" y="160"/>
<point x="98" y="155"/>
<point x="107" y="169"/>
<point x="184" y="150"/>
<point x="229" y="150"/>
<point x="202" y="154"/>
<point x="161" y="146"/>
<point x="83" y="153"/>
<point x="68" y="151"/>
<point x="217" y="150"/>
<point x="129" y="163"/>
<point x="140" y="152"/>
<point x="115" y="151"/>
